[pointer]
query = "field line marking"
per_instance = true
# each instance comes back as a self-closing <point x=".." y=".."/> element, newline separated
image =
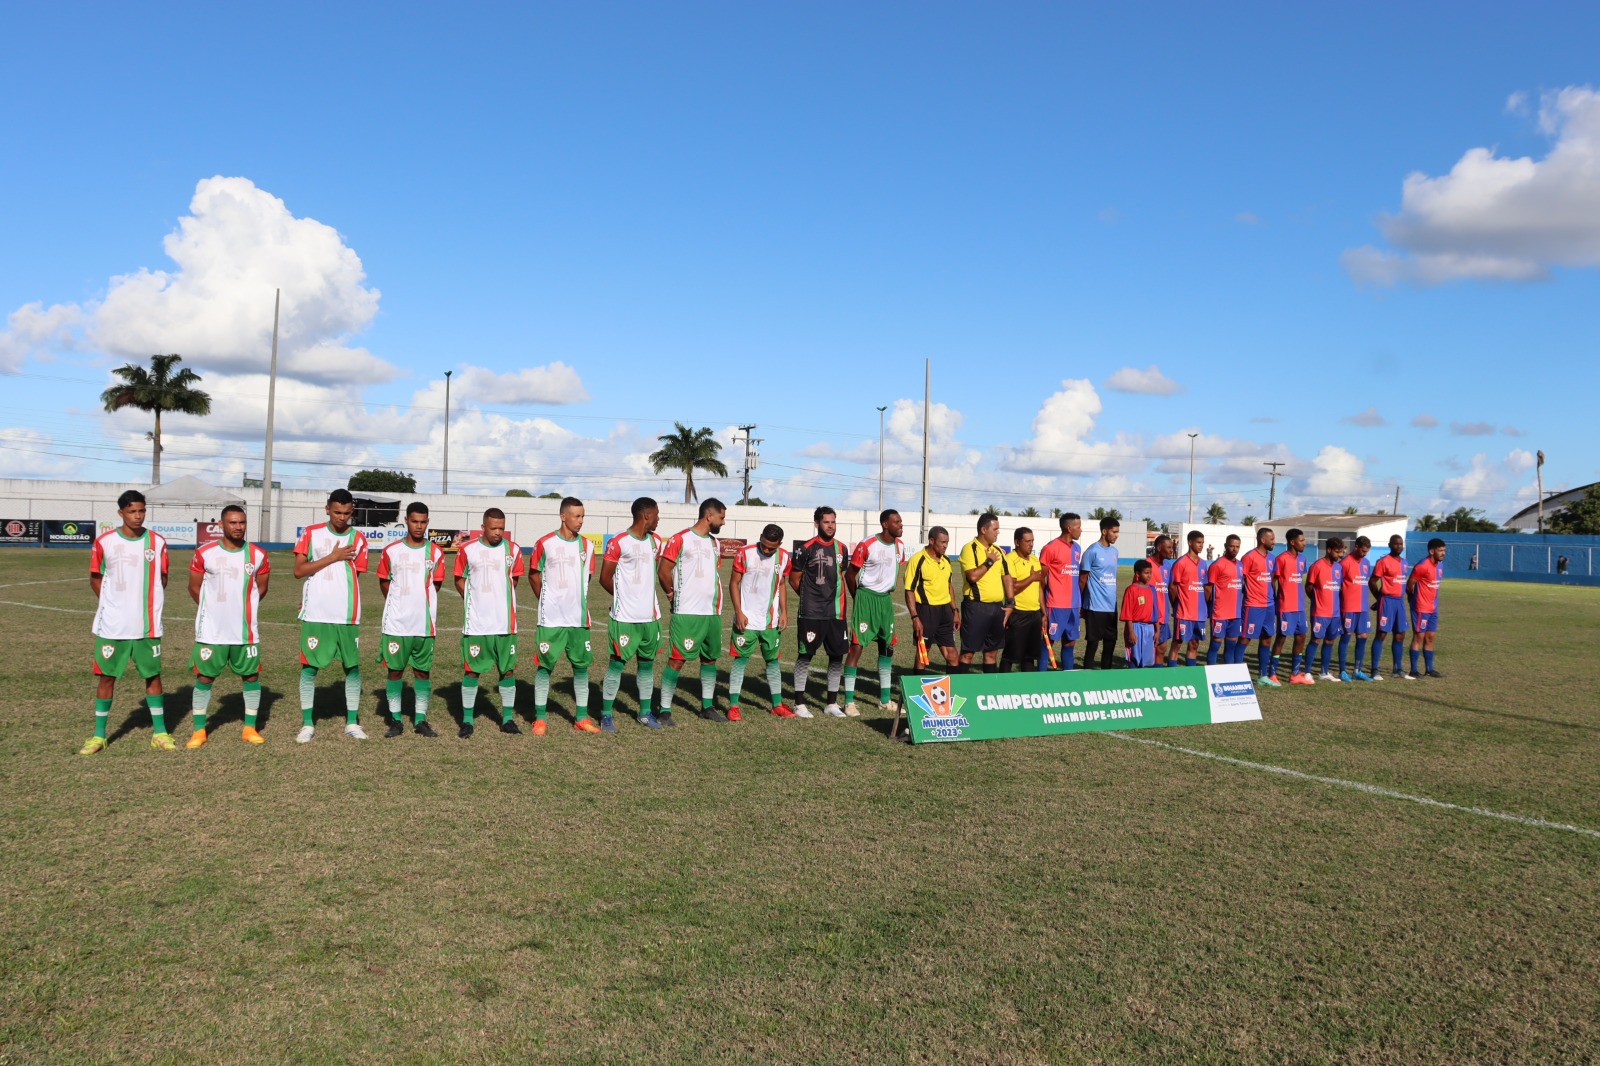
<point x="55" y="581"/>
<point x="1358" y="786"/>
<point x="42" y="607"/>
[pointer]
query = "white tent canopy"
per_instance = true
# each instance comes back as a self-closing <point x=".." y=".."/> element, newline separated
<point x="190" y="491"/>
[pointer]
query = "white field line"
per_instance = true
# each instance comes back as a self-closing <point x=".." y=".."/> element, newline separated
<point x="1358" y="786"/>
<point x="55" y="581"/>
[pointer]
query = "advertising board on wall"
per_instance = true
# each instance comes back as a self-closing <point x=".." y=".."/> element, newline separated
<point x="20" y="532"/>
<point x="68" y="534"/>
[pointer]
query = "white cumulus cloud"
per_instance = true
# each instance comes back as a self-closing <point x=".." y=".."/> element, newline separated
<point x="1496" y="218"/>
<point x="1149" y="382"/>
<point x="34" y="329"/>
<point x="1337" y="475"/>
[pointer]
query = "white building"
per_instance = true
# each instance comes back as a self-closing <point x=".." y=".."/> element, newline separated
<point x="1318" y="528"/>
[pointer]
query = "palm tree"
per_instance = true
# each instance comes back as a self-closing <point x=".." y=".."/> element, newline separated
<point x="1351" y="510"/>
<point x="157" y="389"/>
<point x="1216" y="514"/>
<point x="688" y="450"/>
<point x="1029" y="512"/>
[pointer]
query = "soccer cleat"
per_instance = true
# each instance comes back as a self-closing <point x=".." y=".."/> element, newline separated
<point x="424" y="728"/>
<point x="1363" y="676"/>
<point x="355" y="732"/>
<point x="305" y="734"/>
<point x="711" y="714"/>
<point x="251" y="736"/>
<point x="833" y="710"/>
<point x="735" y="715"/>
<point x="163" y="742"/>
<point x="1375" y="677"/>
<point x="851" y="710"/>
<point x="1434" y="673"/>
<point x="1408" y="677"/>
<point x="93" y="746"/>
<point x="510" y="726"/>
<point x="1329" y="677"/>
<point x="540" y="728"/>
<point x="197" y="739"/>
<point x="396" y="727"/>
<point x="465" y="732"/>
<point x="802" y="711"/>
<point x="780" y="711"/>
<point x="649" y="721"/>
<point x="1306" y="679"/>
<point x="1270" y="682"/>
<point x="892" y="707"/>
<point x="1344" y="676"/>
<point x="666" y="720"/>
<point x="585" y="725"/>
<point x="608" y="724"/>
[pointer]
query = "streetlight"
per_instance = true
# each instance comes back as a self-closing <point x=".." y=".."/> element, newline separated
<point x="880" y="456"/>
<point x="1192" y="436"/>
<point x="447" y="374"/>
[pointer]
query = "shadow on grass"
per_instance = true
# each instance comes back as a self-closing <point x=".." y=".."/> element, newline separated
<point x="1509" y="715"/>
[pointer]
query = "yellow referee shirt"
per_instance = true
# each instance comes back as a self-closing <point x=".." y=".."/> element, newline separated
<point x="990" y="589"/>
<point x="928" y="579"/>
<point x="1030" y="598"/>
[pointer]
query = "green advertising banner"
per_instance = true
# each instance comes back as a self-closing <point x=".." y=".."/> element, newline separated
<point x="945" y="707"/>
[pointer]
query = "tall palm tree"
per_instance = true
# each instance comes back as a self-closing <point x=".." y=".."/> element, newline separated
<point x="1216" y="514"/>
<point x="688" y="450"/>
<point x="157" y="389"/>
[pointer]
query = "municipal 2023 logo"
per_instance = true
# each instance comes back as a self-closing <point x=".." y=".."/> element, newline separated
<point x="941" y="708"/>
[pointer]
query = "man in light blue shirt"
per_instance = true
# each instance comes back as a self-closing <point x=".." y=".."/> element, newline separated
<point x="1097" y="575"/>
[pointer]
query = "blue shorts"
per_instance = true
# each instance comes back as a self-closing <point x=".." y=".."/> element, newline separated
<point x="1142" y="652"/>
<point x="1356" y="623"/>
<point x="1325" y="628"/>
<point x="1227" y="628"/>
<point x="1392" y="615"/>
<point x="1164" y="633"/>
<point x="1292" y="624"/>
<point x="1063" y="622"/>
<point x="1259" y="622"/>
<point x="1191" y="629"/>
<point x="1425" y="622"/>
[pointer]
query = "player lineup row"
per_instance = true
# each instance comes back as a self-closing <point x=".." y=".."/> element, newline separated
<point x="1012" y="609"/>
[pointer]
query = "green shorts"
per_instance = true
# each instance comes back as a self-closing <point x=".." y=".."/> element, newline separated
<point x="629" y="639"/>
<point x="111" y="656"/>
<point x="323" y="643"/>
<point x="209" y="660"/>
<point x="872" y="619"/>
<point x="483" y="652"/>
<point x="397" y="653"/>
<point x="697" y="636"/>
<point x="746" y="643"/>
<point x="574" y="642"/>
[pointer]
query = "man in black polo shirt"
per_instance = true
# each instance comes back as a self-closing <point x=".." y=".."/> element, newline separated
<point x="816" y="572"/>
<point x="983" y="610"/>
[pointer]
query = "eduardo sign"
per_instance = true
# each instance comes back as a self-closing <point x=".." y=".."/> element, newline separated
<point x="991" y="706"/>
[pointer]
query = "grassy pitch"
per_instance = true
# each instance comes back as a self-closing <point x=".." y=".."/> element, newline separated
<point x="793" y="891"/>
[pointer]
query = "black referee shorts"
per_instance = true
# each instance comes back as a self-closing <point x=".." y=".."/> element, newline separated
<point x="983" y="627"/>
<point x="938" y="624"/>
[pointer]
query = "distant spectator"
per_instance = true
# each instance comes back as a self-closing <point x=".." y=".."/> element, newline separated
<point x="1209" y="552"/>
<point x="1472" y="563"/>
<point x="1561" y="564"/>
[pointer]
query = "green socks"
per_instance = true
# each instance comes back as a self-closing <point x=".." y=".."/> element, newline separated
<point x="669" y="689"/>
<point x="508" y="699"/>
<point x="158" y="713"/>
<point x="469" y="698"/>
<point x="708" y="685"/>
<point x="308" y="693"/>
<point x="849" y="683"/>
<point x="541" y="694"/>
<point x="198" y="705"/>
<point x="736" y="681"/>
<point x="391" y="692"/>
<point x="252" y="702"/>
<point x="352" y="695"/>
<point x="885" y="679"/>
<point x="580" y="692"/>
<point x="609" y="685"/>
<point x="102" y="714"/>
<point x="422" y="689"/>
<point x="775" y="681"/>
<point x="646" y="678"/>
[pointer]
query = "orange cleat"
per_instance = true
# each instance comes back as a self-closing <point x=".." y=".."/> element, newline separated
<point x="780" y="711"/>
<point x="250" y="736"/>
<point x="582" y="725"/>
<point x="734" y="715"/>
<point x="540" y="728"/>
<point x="197" y="739"/>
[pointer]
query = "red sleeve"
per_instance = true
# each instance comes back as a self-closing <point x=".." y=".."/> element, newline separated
<point x="1127" y="602"/>
<point x="594" y="555"/>
<point x="360" y="561"/>
<point x="519" y="565"/>
<point x="858" y="558"/>
<point x="438" y="563"/>
<point x="197" y="562"/>
<point x="614" y="549"/>
<point x="303" y="545"/>
<point x="674" y="548"/>
<point x="265" y="565"/>
<point x="738" y="561"/>
<point x="97" y="558"/>
<point x="461" y="561"/>
<point x="164" y="559"/>
<point x="538" y="553"/>
<point x="383" y="565"/>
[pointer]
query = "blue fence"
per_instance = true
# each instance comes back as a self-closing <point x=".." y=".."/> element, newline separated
<point x="1513" y="556"/>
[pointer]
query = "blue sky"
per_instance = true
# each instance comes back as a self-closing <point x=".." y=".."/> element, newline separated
<point x="604" y="219"/>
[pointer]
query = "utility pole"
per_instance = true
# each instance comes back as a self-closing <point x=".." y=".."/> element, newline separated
<point x="1272" y="496"/>
<point x="1538" y="470"/>
<point x="880" y="457"/>
<point x="447" y="374"/>
<point x="927" y="393"/>
<point x="1192" y="436"/>
<point x="272" y="394"/>
<point x="750" y="457"/>
<point x="1396" y="500"/>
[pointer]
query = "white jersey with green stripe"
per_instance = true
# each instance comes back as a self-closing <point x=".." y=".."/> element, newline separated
<point x="489" y="573"/>
<point x="696" y="585"/>
<point x="332" y="594"/>
<point x="760" y="580"/>
<point x="230" y="599"/>
<point x="565" y="567"/>
<point x="411" y="607"/>
<point x="634" y="578"/>
<point x="131" y="594"/>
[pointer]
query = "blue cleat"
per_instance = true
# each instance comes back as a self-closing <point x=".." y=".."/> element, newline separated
<point x="1343" y="676"/>
<point x="648" y="720"/>
<point x="1362" y="676"/>
<point x="608" y="724"/>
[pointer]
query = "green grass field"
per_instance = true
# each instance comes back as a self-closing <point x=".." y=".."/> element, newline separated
<point x="800" y="891"/>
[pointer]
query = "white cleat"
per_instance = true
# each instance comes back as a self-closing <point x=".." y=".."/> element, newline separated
<point x="832" y="711"/>
<point x="851" y="710"/>
<point x="1377" y="677"/>
<point x="305" y="735"/>
<point x="1326" y="677"/>
<point x="892" y="707"/>
<point x="1408" y="677"/>
<point x="355" y="732"/>
<point x="802" y="711"/>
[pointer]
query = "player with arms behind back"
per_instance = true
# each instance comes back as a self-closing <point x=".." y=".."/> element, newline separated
<point x="1423" y="590"/>
<point x="688" y="573"/>
<point x="633" y="631"/>
<point x="558" y="573"/>
<point x="1062" y="559"/>
<point x="410" y="572"/>
<point x="872" y="575"/>
<point x="1324" y="585"/>
<point x="227" y="579"/>
<point x="1225" y="604"/>
<point x="486" y="573"/>
<point x="128" y="575"/>
<point x="816" y="573"/>
<point x="1355" y="620"/>
<point x="1388" y="585"/>
<point x="760" y="594"/>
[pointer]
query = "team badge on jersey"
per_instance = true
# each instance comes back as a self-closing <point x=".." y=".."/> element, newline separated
<point x="811" y="638"/>
<point x="311" y="642"/>
<point x="205" y="654"/>
<point x="394" y="647"/>
<point x="250" y="569"/>
<point x="863" y="627"/>
<point x="624" y="639"/>
<point x="688" y="644"/>
<point x="544" y="647"/>
<point x="106" y="650"/>
<point x="149" y="555"/>
<point x="739" y="640"/>
<point x="474" y="650"/>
